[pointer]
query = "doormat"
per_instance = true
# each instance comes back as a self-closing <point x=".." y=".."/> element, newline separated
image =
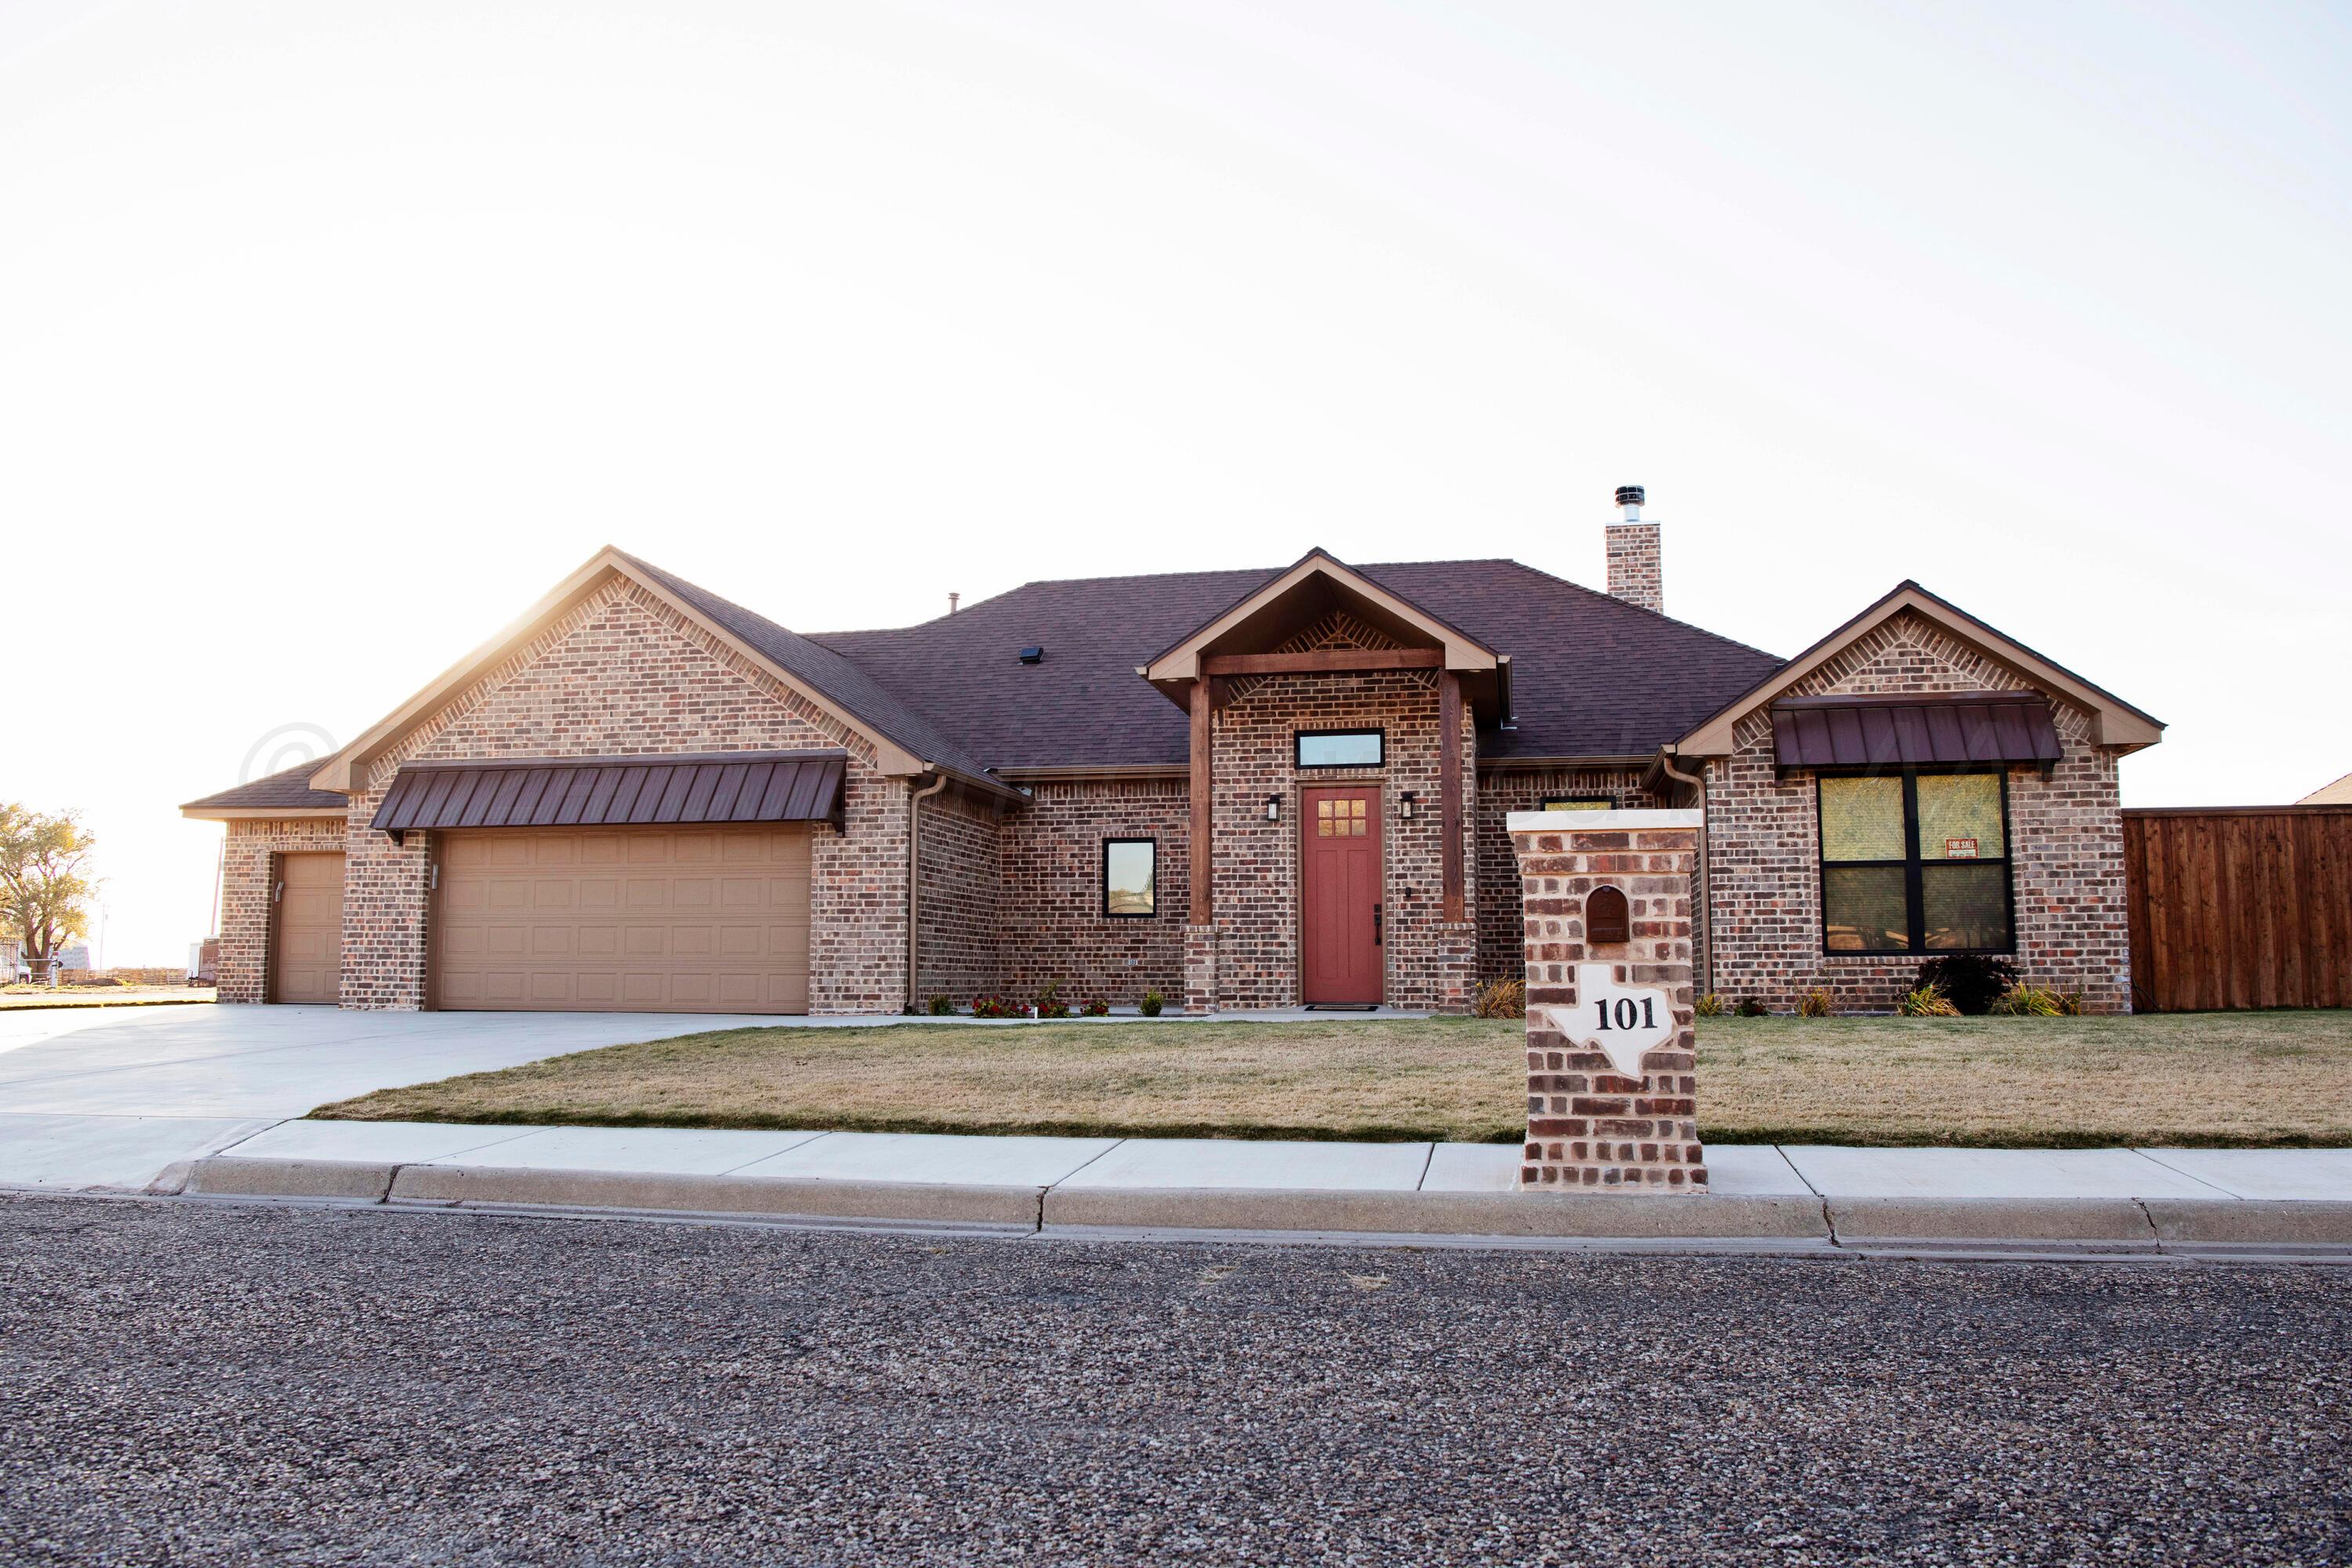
<point x="1342" y="1007"/>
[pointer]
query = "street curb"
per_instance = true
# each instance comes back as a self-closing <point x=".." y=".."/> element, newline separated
<point x="2016" y="1219"/>
<point x="344" y="1180"/>
<point x="1931" y="1226"/>
<point x="1504" y="1214"/>
<point x="769" y="1196"/>
<point x="2267" y="1221"/>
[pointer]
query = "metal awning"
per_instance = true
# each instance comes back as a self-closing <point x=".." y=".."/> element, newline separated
<point x="1914" y="731"/>
<point x="615" y="792"/>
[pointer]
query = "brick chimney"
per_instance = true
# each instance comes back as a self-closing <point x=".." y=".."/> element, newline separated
<point x="1636" y="573"/>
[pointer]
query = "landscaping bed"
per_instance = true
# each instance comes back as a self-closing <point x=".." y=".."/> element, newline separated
<point x="2214" y="1078"/>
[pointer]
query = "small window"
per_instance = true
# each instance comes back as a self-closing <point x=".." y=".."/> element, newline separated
<point x="1916" y="863"/>
<point x="1579" y="803"/>
<point x="1130" y="878"/>
<point x="1341" y="749"/>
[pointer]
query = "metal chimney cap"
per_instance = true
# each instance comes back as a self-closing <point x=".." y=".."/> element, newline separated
<point x="1630" y="495"/>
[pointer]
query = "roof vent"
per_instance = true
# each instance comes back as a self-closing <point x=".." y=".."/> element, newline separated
<point x="1631" y="496"/>
<point x="1033" y="655"/>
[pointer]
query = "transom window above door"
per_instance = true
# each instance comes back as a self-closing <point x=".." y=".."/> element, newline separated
<point x="1340" y="748"/>
<point x="1340" y="818"/>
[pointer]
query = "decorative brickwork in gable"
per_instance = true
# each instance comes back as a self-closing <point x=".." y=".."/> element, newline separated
<point x="1589" y="1124"/>
<point x="1429" y="962"/>
<point x="1763" y="848"/>
<point x="624" y="674"/>
<point x="1053" y="891"/>
<point x="1502" y="791"/>
<point x="246" y="878"/>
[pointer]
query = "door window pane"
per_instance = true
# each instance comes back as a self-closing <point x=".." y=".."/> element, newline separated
<point x="1966" y="907"/>
<point x="1960" y="816"/>
<point x="1127" y="871"/>
<point x="1861" y="819"/>
<point x="1356" y="749"/>
<point x="1865" y="909"/>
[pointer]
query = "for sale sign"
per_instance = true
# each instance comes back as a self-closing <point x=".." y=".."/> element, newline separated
<point x="1620" y="1021"/>
<point x="1959" y="849"/>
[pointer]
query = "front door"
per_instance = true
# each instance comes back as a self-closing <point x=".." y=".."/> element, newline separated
<point x="306" y="957"/>
<point x="1339" y="882"/>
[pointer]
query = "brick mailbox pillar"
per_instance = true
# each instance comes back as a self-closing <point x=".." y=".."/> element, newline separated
<point x="1613" y="1068"/>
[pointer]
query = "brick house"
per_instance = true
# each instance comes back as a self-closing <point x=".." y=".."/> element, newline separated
<point x="1242" y="789"/>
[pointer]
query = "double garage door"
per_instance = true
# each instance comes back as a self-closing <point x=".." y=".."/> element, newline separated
<point x="700" y="919"/>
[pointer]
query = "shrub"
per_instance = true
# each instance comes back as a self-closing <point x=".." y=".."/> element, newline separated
<point x="2070" y="1003"/>
<point x="2025" y="1001"/>
<point x="994" y="1007"/>
<point x="1751" y="1007"/>
<point x="1927" y="1002"/>
<point x="1049" y="1000"/>
<point x="1970" y="982"/>
<point x="1503" y="999"/>
<point x="1709" y="1006"/>
<point x="1098" y="1008"/>
<point x="1813" y="1004"/>
<point x="1152" y="1003"/>
<point x="942" y="1005"/>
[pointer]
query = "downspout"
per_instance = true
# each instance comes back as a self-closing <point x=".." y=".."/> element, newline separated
<point x="1703" y="928"/>
<point x="914" y="866"/>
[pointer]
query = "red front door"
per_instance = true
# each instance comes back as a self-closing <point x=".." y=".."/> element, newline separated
<point x="1339" y="882"/>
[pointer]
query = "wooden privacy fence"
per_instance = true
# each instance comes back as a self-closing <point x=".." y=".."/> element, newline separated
<point x="2239" y="907"/>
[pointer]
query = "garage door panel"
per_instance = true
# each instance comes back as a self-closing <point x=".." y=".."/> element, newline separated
<point x="687" y="919"/>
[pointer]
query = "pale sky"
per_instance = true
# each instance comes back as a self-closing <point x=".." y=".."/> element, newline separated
<point x="331" y="335"/>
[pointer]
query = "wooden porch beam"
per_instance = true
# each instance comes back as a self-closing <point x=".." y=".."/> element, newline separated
<point x="1322" y="660"/>
<point x="1203" y="731"/>
<point x="1449" y="786"/>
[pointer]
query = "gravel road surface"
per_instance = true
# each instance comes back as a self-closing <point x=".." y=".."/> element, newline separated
<point x="188" y="1383"/>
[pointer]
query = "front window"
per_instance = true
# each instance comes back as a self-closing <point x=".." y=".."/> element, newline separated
<point x="1916" y="863"/>
<point x="1579" y="803"/>
<point x="1129" y="879"/>
<point x="1341" y="749"/>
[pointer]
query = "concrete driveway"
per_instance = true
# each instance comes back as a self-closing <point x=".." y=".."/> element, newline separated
<point x="108" y="1098"/>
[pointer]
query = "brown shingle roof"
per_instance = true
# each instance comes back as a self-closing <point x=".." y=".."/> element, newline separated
<point x="290" y="790"/>
<point x="1590" y="676"/>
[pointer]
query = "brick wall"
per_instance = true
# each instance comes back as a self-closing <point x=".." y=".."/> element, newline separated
<point x="1502" y="791"/>
<point x="1636" y="564"/>
<point x="1763" y="848"/>
<point x="1430" y="962"/>
<point x="1053" y="891"/>
<point x="622" y="673"/>
<point x="1590" y="1125"/>
<point x="961" y="949"/>
<point x="245" y="909"/>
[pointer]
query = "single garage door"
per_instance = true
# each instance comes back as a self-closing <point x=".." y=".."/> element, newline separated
<point x="307" y="957"/>
<point x="689" y="919"/>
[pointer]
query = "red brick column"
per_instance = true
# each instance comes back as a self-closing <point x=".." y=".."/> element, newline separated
<point x="1629" y="1122"/>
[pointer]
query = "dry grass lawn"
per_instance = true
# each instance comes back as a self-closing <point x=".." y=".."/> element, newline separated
<point x="2250" y="1078"/>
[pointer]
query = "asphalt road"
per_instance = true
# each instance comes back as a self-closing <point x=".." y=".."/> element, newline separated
<point x="196" y="1385"/>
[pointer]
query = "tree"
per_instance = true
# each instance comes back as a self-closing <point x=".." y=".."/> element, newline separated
<point x="44" y="894"/>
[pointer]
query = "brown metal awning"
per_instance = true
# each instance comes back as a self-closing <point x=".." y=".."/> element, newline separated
<point x="615" y="792"/>
<point x="1912" y="732"/>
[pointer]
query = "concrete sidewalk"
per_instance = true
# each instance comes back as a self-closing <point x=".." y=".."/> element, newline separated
<point x="1787" y="1197"/>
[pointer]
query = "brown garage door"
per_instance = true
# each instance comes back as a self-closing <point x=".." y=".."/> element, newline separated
<point x="690" y="920"/>
<point x="307" y="961"/>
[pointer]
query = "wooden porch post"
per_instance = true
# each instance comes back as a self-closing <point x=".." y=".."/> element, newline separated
<point x="1449" y="786"/>
<point x="1200" y="853"/>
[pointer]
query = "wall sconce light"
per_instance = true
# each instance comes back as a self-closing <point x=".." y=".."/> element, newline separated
<point x="1273" y="808"/>
<point x="1404" y="805"/>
